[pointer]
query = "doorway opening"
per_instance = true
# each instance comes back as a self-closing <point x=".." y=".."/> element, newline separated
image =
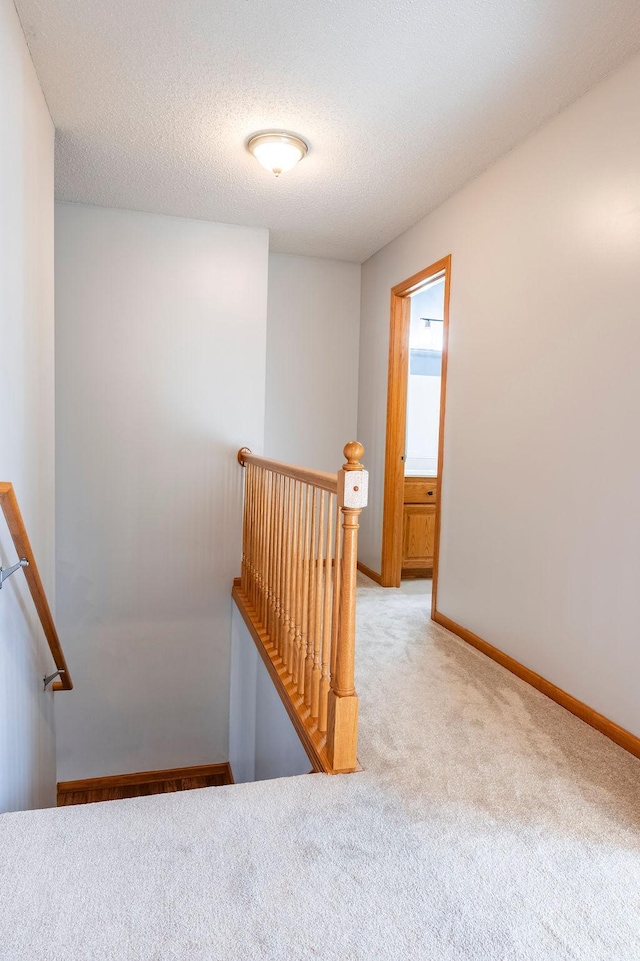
<point x="415" y="426"/>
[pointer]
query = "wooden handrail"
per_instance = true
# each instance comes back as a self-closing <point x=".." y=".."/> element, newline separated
<point x="15" y="523"/>
<point x="297" y="594"/>
<point x="316" y="478"/>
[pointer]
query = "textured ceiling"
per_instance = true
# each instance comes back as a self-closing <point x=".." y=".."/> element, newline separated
<point x="402" y="102"/>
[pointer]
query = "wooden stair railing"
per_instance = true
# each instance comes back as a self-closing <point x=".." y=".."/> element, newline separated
<point x="297" y="594"/>
<point x="18" y="532"/>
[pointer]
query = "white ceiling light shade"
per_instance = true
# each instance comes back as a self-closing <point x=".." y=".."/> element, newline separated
<point x="277" y="151"/>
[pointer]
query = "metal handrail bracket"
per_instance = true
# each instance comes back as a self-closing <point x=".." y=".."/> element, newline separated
<point x="6" y="572"/>
<point x="51" y="677"/>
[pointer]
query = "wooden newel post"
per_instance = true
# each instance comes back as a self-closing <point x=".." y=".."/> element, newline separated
<point x="342" y="727"/>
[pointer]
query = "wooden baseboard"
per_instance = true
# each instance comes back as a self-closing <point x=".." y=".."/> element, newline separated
<point x="113" y="784"/>
<point x="625" y="739"/>
<point x="369" y="573"/>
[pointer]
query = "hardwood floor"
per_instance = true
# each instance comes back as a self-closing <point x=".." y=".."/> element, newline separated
<point x="142" y="784"/>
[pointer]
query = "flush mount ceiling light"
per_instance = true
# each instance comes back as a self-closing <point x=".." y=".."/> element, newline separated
<point x="277" y="151"/>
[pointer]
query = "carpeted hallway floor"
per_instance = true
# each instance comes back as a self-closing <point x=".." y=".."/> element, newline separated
<point x="488" y="825"/>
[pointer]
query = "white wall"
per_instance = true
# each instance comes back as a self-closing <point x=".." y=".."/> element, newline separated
<point x="27" y="742"/>
<point x="279" y="751"/>
<point x="312" y="359"/>
<point x="542" y="464"/>
<point x="160" y="378"/>
<point x="263" y="743"/>
<point x="242" y="700"/>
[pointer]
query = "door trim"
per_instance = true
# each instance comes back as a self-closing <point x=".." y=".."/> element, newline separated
<point x="397" y="422"/>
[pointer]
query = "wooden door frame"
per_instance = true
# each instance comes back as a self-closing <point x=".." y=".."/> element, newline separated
<point x="398" y="383"/>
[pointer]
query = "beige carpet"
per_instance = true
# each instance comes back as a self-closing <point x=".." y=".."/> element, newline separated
<point x="489" y="824"/>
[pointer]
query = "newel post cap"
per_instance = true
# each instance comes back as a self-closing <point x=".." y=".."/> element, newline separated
<point x="353" y="451"/>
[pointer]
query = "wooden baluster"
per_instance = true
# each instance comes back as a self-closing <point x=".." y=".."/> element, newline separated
<point x="322" y="652"/>
<point x="286" y="567"/>
<point x="259" y="536"/>
<point x="267" y="546"/>
<point x="250" y="538"/>
<point x="291" y="639"/>
<point x="273" y="488"/>
<point x="252" y="535"/>
<point x="313" y="559"/>
<point x="245" y="528"/>
<point x="266" y="520"/>
<point x="262" y="528"/>
<point x="342" y="729"/>
<point x="247" y="509"/>
<point x="317" y="627"/>
<point x="335" y="613"/>
<point x="298" y="653"/>
<point x="297" y="585"/>
<point x="286" y="557"/>
<point x="309" y="502"/>
<point x="293" y="652"/>
<point x="277" y="522"/>
<point x="283" y="560"/>
<point x="307" y="648"/>
<point x="256" y="537"/>
<point x="265" y="553"/>
<point x="294" y="579"/>
<point x="278" y="554"/>
<point x="289" y="632"/>
<point x="274" y="551"/>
